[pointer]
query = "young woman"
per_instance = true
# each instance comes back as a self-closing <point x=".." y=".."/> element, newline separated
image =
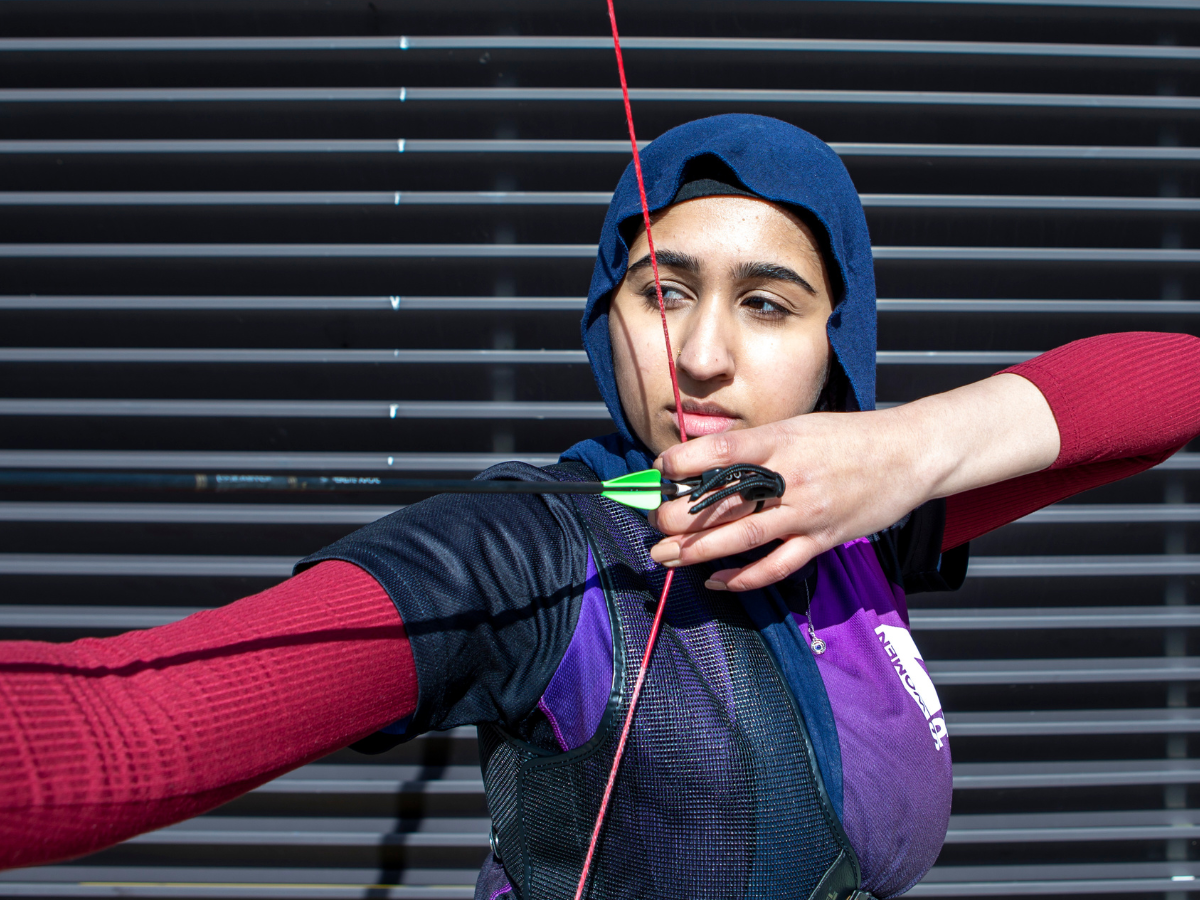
<point x="788" y="742"/>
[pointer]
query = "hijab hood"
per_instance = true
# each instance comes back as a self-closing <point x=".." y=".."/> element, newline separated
<point x="775" y="161"/>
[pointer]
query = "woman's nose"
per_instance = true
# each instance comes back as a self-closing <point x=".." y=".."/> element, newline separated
<point x="705" y="344"/>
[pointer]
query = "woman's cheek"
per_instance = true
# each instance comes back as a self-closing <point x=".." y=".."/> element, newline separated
<point x="638" y="361"/>
<point x="802" y="364"/>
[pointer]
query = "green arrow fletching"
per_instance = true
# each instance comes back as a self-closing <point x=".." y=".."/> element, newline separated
<point x="642" y="497"/>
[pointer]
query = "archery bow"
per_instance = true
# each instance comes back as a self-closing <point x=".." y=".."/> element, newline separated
<point x="666" y="590"/>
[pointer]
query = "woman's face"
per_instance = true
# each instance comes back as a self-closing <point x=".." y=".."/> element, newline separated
<point x="747" y="297"/>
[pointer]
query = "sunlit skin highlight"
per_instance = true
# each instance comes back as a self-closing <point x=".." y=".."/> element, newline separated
<point x="747" y="298"/>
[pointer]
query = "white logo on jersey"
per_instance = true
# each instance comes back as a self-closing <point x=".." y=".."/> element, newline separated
<point x="906" y="659"/>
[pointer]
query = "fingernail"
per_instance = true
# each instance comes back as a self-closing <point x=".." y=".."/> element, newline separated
<point x="716" y="585"/>
<point x="665" y="553"/>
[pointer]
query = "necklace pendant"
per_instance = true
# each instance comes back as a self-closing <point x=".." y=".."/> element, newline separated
<point x="818" y="645"/>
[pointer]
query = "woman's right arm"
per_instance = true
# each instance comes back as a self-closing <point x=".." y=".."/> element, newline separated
<point x="1074" y="418"/>
<point x="102" y="739"/>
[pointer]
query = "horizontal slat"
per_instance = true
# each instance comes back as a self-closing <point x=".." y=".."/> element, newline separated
<point x="557" y="251"/>
<point x="146" y="565"/>
<point x="547" y="304"/>
<point x="1075" y="774"/>
<point x="446" y="304"/>
<point x="1124" y="513"/>
<point x="349" y="884"/>
<point x="86" y="617"/>
<point x="985" y="99"/>
<point x="402" y="145"/>
<point x="1050" y="4"/>
<point x="361" y="884"/>
<point x="332" y="831"/>
<point x="1082" y="566"/>
<point x="1036" y="254"/>
<point x="1057" y="886"/>
<point x="1024" y="307"/>
<point x="985" y="202"/>
<point x="564" y="42"/>
<point x="277" y="356"/>
<point x="274" y="356"/>
<point x="231" y="513"/>
<point x="1185" y="871"/>
<point x="1025" y="618"/>
<point x="272" y="890"/>
<point x="322" y="778"/>
<point x="300" y="251"/>
<point x="991" y="202"/>
<point x="351" y="779"/>
<point x="320" y="147"/>
<point x="85" y="880"/>
<point x="197" y="513"/>
<point x="49" y="563"/>
<point x="320" y="409"/>
<point x="1114" y="670"/>
<point x="284" y="891"/>
<point x="1045" y="723"/>
<point x="376" y="779"/>
<point x="260" y="461"/>
<point x="858" y="149"/>
<point x="1148" y="825"/>
<point x="181" y="44"/>
<point x="1014" y="151"/>
<point x="1181" y="461"/>
<point x="324" y="831"/>
<point x="1106" y="879"/>
<point x="307" y="198"/>
<point x="208" y="460"/>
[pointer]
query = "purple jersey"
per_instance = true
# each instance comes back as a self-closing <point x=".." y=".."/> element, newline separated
<point x="890" y="724"/>
<point x="891" y="729"/>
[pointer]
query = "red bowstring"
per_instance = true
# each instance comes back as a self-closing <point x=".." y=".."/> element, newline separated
<point x="637" y="168"/>
<point x="662" y="600"/>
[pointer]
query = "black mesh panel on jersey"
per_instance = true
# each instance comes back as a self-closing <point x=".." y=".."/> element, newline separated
<point x="718" y="795"/>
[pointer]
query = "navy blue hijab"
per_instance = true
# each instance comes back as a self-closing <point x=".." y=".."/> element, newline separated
<point x="775" y="161"/>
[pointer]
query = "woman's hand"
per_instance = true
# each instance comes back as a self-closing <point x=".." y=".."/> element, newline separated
<point x="852" y="474"/>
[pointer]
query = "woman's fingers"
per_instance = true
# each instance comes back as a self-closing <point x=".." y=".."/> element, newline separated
<point x="729" y="539"/>
<point x="674" y="518"/>
<point x="713" y="451"/>
<point x="791" y="556"/>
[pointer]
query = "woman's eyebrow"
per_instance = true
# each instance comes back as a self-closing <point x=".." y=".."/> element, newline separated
<point x="671" y="258"/>
<point x="748" y="271"/>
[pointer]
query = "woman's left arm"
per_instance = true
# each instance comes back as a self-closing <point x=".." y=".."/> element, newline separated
<point x="1085" y="414"/>
<point x="1123" y="403"/>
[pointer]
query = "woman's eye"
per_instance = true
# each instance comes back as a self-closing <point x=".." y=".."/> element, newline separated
<point x="671" y="296"/>
<point x="765" y="307"/>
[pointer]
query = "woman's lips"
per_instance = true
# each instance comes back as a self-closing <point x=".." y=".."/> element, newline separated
<point x="698" y="424"/>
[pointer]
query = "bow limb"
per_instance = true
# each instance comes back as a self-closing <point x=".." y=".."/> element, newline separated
<point x="662" y="601"/>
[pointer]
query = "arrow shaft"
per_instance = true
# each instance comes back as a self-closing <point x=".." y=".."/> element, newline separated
<point x="220" y="482"/>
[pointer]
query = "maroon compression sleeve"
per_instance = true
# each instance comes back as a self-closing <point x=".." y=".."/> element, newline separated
<point x="1123" y="403"/>
<point x="101" y="739"/>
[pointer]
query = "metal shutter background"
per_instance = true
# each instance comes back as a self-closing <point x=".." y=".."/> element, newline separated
<point x="280" y="236"/>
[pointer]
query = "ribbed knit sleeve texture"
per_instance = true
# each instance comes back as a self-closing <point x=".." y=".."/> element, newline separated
<point x="101" y="739"/>
<point x="1123" y="403"/>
